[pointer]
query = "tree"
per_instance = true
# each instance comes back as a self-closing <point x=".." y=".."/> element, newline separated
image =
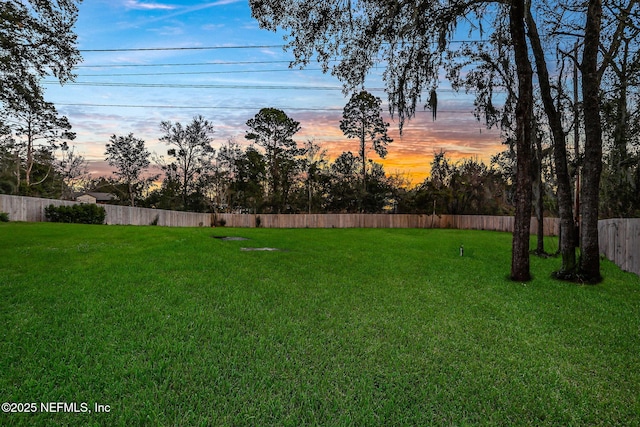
<point x="362" y="119"/>
<point x="131" y="159"/>
<point x="524" y="117"/>
<point x="36" y="40"/>
<point x="273" y="130"/>
<point x="589" y="266"/>
<point x="191" y="152"/>
<point x="313" y="166"/>
<point x="248" y="186"/>
<point x="344" y="194"/>
<point x="33" y="127"/>
<point x="72" y="168"/>
<point x="554" y="117"/>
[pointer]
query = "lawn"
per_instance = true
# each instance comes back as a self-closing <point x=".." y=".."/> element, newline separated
<point x="345" y="327"/>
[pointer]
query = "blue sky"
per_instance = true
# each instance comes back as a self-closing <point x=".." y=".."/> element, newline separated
<point x="235" y="70"/>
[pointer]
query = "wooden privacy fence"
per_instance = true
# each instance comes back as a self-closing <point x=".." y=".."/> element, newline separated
<point x="467" y="222"/>
<point x="31" y="209"/>
<point x="619" y="241"/>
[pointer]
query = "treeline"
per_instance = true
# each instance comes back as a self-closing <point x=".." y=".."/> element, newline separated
<point x="276" y="174"/>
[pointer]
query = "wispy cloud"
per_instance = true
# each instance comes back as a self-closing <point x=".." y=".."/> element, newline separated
<point x="138" y="5"/>
<point x="177" y="11"/>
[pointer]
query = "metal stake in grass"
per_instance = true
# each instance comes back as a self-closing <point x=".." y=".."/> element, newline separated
<point x="461" y="250"/>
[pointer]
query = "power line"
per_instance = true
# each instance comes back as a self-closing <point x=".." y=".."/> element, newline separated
<point x="203" y="86"/>
<point x="209" y="107"/>
<point x="228" y="86"/>
<point x="193" y="73"/>
<point x="192" y="64"/>
<point x="192" y="107"/>
<point x="147" y="49"/>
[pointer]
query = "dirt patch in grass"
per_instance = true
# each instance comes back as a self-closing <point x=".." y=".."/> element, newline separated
<point x="230" y="238"/>
<point x="260" y="249"/>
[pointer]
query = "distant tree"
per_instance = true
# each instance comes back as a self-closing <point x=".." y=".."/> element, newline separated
<point x="224" y="173"/>
<point x="248" y="186"/>
<point x="29" y="128"/>
<point x="168" y="196"/>
<point x="345" y="193"/>
<point x="314" y="164"/>
<point x="468" y="187"/>
<point x="378" y="191"/>
<point x="130" y="157"/>
<point x="72" y="168"/>
<point x="273" y="130"/>
<point x="362" y="119"/>
<point x="191" y="153"/>
<point x="36" y="40"/>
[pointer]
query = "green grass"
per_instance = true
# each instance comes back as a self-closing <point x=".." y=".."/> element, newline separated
<point x="346" y="327"/>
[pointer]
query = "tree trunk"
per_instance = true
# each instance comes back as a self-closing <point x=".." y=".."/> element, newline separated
<point x="131" y="195"/>
<point x="18" y="172"/>
<point x="522" y="223"/>
<point x="565" y="201"/>
<point x="590" y="254"/>
<point x="363" y="153"/>
<point x="538" y="193"/>
<point x="30" y="148"/>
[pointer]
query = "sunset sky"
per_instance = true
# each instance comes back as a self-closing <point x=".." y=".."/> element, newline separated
<point x="149" y="61"/>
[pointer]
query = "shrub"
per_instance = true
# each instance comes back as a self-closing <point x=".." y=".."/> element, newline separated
<point x="4" y="217"/>
<point x="85" y="213"/>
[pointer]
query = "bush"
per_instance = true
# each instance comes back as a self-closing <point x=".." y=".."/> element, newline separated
<point x="86" y="213"/>
<point x="4" y="217"/>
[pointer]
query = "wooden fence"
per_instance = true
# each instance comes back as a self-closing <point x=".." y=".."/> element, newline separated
<point x="468" y="222"/>
<point x="31" y="209"/>
<point x="619" y="241"/>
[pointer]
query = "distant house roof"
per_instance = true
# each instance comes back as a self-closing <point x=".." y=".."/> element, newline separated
<point x="86" y="198"/>
<point x="100" y="197"/>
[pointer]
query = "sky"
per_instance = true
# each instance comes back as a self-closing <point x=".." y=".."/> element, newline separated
<point x="145" y="62"/>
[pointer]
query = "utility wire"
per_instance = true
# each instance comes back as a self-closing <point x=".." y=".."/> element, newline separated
<point x="192" y="107"/>
<point x="192" y="64"/>
<point x="193" y="73"/>
<point x="147" y="49"/>
<point x="230" y="86"/>
<point x="208" y="107"/>
<point x="281" y="46"/>
<point x="202" y="86"/>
